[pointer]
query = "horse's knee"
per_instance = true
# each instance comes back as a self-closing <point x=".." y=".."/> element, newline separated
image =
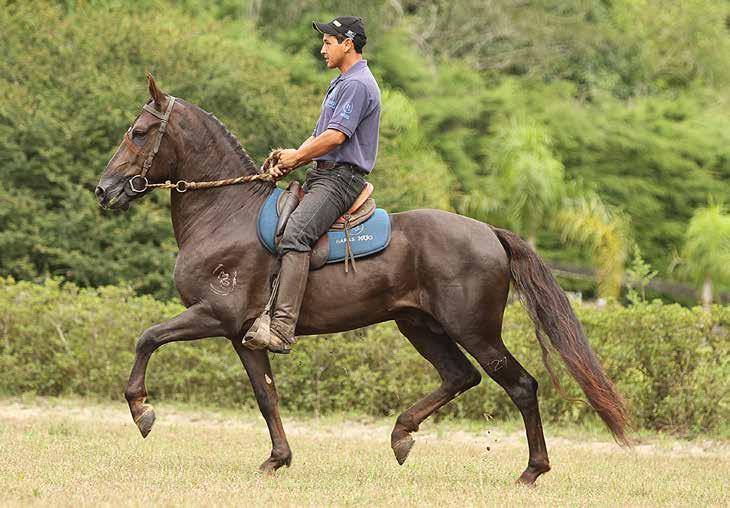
<point x="147" y="342"/>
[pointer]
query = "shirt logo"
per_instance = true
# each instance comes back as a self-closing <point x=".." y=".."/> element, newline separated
<point x="332" y="103"/>
<point x="346" y="111"/>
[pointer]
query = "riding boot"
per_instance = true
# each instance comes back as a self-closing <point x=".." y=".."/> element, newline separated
<point x="292" y="283"/>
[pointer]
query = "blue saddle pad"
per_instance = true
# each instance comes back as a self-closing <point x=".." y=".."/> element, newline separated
<point x="370" y="237"/>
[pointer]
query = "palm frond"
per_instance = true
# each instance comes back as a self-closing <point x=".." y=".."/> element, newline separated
<point x="606" y="231"/>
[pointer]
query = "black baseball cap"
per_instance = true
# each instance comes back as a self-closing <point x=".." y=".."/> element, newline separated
<point x="347" y="26"/>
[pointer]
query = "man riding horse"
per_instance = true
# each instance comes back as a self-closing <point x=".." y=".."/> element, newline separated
<point x="344" y="145"/>
<point x="443" y="278"/>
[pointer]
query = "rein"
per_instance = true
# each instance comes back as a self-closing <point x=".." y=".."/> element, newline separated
<point x="180" y="185"/>
<point x="184" y="186"/>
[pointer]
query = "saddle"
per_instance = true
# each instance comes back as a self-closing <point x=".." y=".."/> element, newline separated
<point x="361" y="210"/>
<point x="362" y="231"/>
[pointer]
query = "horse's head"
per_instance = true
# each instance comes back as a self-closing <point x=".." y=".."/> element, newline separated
<point x="147" y="154"/>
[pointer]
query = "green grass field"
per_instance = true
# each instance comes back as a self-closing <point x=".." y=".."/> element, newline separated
<point x="70" y="452"/>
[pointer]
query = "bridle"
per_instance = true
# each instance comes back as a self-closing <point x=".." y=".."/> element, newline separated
<point x="180" y="185"/>
<point x="164" y="118"/>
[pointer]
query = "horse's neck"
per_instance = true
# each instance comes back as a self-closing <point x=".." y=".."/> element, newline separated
<point x="197" y="213"/>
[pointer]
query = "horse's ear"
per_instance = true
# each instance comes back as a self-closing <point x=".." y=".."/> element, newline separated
<point x="157" y="95"/>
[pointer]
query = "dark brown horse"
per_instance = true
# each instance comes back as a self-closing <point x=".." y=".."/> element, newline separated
<point x="443" y="279"/>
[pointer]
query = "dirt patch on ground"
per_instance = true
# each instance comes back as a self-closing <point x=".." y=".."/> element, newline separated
<point x="344" y="428"/>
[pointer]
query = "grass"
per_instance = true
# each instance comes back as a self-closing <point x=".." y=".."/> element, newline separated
<point x="71" y="452"/>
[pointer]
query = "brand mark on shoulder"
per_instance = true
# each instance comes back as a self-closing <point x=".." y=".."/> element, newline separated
<point x="224" y="282"/>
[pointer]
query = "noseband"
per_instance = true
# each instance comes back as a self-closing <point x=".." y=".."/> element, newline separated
<point x="164" y="118"/>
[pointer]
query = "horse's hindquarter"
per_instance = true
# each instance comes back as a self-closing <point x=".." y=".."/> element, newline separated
<point x="440" y="263"/>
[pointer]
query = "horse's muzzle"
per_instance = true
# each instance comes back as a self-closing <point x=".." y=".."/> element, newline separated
<point x="112" y="197"/>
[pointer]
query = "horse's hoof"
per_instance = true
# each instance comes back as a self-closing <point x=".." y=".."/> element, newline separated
<point x="272" y="464"/>
<point x="145" y="421"/>
<point x="267" y="469"/>
<point x="531" y="474"/>
<point x="402" y="448"/>
<point x="526" y="481"/>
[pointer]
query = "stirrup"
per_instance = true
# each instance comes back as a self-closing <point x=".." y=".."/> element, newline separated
<point x="258" y="336"/>
<point x="279" y="345"/>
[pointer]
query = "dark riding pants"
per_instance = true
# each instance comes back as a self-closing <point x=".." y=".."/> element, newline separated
<point x="329" y="194"/>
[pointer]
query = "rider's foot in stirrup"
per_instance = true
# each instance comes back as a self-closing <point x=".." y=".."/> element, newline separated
<point x="280" y="345"/>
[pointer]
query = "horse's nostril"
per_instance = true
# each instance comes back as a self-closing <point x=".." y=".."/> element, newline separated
<point x="100" y="192"/>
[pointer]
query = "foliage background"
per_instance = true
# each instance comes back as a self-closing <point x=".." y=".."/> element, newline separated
<point x="626" y="99"/>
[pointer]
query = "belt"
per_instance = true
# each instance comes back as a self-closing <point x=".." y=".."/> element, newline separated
<point x="334" y="164"/>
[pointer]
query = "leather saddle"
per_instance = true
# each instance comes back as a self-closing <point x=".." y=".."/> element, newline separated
<point x="361" y="210"/>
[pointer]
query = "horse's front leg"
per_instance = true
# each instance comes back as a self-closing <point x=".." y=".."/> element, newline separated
<point x="258" y="368"/>
<point x="197" y="322"/>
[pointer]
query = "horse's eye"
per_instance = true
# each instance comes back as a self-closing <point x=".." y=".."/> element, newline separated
<point x="136" y="133"/>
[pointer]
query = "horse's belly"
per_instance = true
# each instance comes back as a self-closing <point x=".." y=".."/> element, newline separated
<point x="435" y="261"/>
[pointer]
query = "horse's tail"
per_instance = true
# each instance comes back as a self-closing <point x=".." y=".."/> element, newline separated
<point x="550" y="310"/>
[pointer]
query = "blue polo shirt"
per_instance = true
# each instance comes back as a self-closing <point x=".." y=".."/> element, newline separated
<point x="352" y="106"/>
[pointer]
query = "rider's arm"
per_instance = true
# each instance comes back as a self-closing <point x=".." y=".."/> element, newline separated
<point x="306" y="142"/>
<point x="321" y="145"/>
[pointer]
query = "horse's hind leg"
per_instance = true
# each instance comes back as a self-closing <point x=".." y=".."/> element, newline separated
<point x="457" y="376"/>
<point x="194" y="323"/>
<point x="500" y="365"/>
<point x="258" y="368"/>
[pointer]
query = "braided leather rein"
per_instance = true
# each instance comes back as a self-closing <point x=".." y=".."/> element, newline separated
<point x="184" y="186"/>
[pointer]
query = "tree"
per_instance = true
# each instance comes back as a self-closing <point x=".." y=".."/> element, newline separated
<point x="589" y="222"/>
<point x="706" y="252"/>
<point x="527" y="175"/>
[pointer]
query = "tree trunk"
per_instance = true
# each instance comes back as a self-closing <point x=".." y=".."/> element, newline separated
<point x="707" y="293"/>
<point x="254" y="9"/>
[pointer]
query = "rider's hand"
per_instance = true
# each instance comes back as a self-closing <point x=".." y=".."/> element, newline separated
<point x="288" y="160"/>
<point x="276" y="172"/>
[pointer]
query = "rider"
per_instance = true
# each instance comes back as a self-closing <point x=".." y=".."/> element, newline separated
<point x="343" y="146"/>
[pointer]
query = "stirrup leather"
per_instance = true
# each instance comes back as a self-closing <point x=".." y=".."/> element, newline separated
<point x="259" y="335"/>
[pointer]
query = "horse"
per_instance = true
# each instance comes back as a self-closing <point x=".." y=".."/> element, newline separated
<point x="444" y="279"/>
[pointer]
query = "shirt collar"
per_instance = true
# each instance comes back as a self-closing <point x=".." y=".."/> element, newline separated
<point x="357" y="66"/>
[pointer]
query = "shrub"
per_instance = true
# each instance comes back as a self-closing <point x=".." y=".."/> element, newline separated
<point x="671" y="363"/>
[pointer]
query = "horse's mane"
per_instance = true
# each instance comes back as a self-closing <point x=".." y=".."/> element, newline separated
<point x="232" y="140"/>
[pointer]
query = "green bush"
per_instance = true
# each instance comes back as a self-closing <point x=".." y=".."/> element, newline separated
<point x="671" y="363"/>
